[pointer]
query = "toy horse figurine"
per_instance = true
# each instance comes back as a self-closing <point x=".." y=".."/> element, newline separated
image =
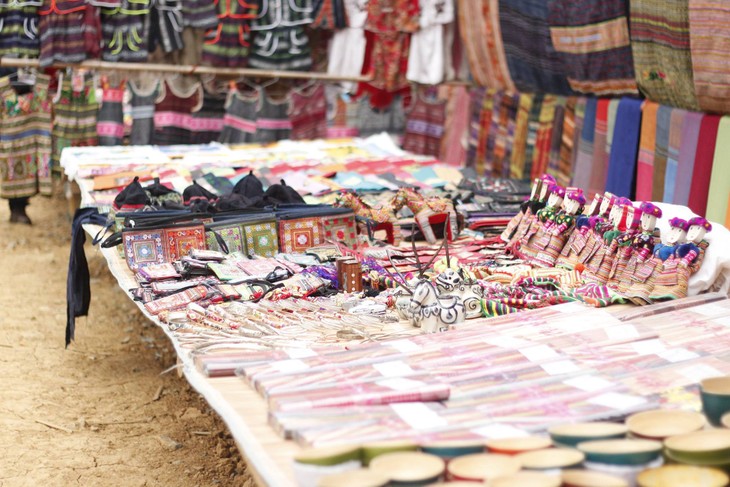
<point x="382" y="217"/>
<point x="432" y="312"/>
<point x="425" y="209"/>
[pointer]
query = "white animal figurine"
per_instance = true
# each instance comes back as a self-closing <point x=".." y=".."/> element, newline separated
<point x="452" y="283"/>
<point x="433" y="313"/>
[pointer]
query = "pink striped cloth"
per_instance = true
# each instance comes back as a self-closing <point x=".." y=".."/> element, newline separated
<point x="647" y="145"/>
<point x="710" y="49"/>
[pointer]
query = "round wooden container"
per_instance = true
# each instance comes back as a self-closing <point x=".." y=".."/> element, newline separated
<point x="514" y="446"/>
<point x="587" y="478"/>
<point x="355" y="478"/>
<point x="682" y="476"/>
<point x="661" y="424"/>
<point x="372" y="450"/>
<point x="409" y="468"/>
<point x="452" y="449"/>
<point x="710" y="447"/>
<point x="572" y="434"/>
<point x="551" y="459"/>
<point x="527" y="479"/>
<point x="482" y="466"/>
<point x="621" y="452"/>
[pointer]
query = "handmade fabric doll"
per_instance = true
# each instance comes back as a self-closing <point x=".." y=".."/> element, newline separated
<point x="544" y="218"/>
<point x="535" y="204"/>
<point x="558" y="230"/>
<point x="624" y="240"/>
<point x="642" y="246"/>
<point x="598" y="266"/>
<point x="568" y="257"/>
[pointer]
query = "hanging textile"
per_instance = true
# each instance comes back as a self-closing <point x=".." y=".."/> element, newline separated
<point x="484" y="123"/>
<point x="556" y="135"/>
<point x="544" y="135"/>
<point x="585" y="148"/>
<point x="143" y="112"/>
<point x="517" y="163"/>
<point x="720" y="179"/>
<point x="347" y="47"/>
<point x="660" y="42"/>
<point x="239" y="122"/>
<point x="174" y="110"/>
<point x="647" y="146"/>
<point x="564" y="172"/>
<point x="70" y="31"/>
<point x="703" y="164"/>
<point x="125" y="33"/>
<point x="371" y="121"/>
<point x="308" y="113"/>
<point x="661" y="152"/>
<point x="592" y="40"/>
<point x="25" y="140"/>
<point x="476" y="100"/>
<point x="227" y="45"/>
<point x="329" y="14"/>
<point x="599" y="168"/>
<point x="687" y="151"/>
<point x="279" y="40"/>
<point x="272" y="119"/>
<point x="199" y="14"/>
<point x="624" y="148"/>
<point x="708" y="21"/>
<point x="533" y="123"/>
<point x="675" y="143"/>
<point x="506" y="118"/>
<point x="428" y="54"/>
<point x="75" y="111"/>
<point x="110" y="123"/>
<point x="534" y="65"/>
<point x="456" y="126"/>
<point x="580" y="114"/>
<point x="166" y="26"/>
<point x="207" y="123"/>
<point x="612" y="109"/>
<point x="19" y="36"/>
<point x="425" y="121"/>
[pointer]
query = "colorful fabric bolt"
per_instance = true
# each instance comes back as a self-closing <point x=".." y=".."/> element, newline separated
<point x="676" y="122"/>
<point x="720" y="180"/>
<point x="710" y="49"/>
<point x="584" y="157"/>
<point x="687" y="151"/>
<point x="599" y="169"/>
<point x="661" y="152"/>
<point x="703" y="164"/>
<point x="647" y="146"/>
<point x="622" y="161"/>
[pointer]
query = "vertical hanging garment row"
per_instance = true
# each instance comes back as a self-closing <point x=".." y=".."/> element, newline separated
<point x="110" y="124"/>
<point x="208" y="121"/>
<point x="19" y="28"/>
<point x="228" y="44"/>
<point x="174" y="110"/>
<point x="166" y="26"/>
<point x="429" y="56"/>
<point x="371" y="121"/>
<point x="272" y="119"/>
<point x="239" y="122"/>
<point x="279" y="40"/>
<point x="329" y="14"/>
<point x="308" y="113"/>
<point x="125" y="31"/>
<point x="425" y="125"/>
<point x="75" y="110"/>
<point x="143" y="112"/>
<point x="70" y="31"/>
<point x="25" y="140"/>
<point x="347" y="47"/>
<point x="199" y="14"/>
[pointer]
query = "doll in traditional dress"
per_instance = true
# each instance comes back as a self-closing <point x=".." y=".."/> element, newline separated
<point x="556" y="233"/>
<point x="542" y="192"/>
<point x="568" y="257"/>
<point x="631" y="227"/>
<point x="525" y="210"/>
<point x="526" y="247"/>
<point x="642" y="246"/>
<point x="599" y="264"/>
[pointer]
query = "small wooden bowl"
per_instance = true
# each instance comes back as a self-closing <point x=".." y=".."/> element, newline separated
<point x="587" y="478"/>
<point x="409" y="467"/>
<point x="527" y="479"/>
<point x="452" y="449"/>
<point x="328" y="456"/>
<point x="621" y="452"/>
<point x="710" y="447"/>
<point x="482" y="466"/>
<point x="354" y="478"/>
<point x="682" y="476"/>
<point x="513" y="446"/>
<point x="372" y="450"/>
<point x="551" y="458"/>
<point x="661" y="424"/>
<point x="572" y="434"/>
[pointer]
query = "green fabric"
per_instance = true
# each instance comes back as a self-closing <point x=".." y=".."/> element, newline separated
<point x="717" y="200"/>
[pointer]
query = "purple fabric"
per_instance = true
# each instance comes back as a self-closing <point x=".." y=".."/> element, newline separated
<point x="687" y="150"/>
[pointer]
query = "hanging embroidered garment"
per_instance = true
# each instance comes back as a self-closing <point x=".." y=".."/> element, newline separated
<point x="341" y="113"/>
<point x="544" y="134"/>
<point x="272" y="119"/>
<point x="534" y="65"/>
<point x="660" y="43"/>
<point x="25" y="140"/>
<point x="592" y="40"/>
<point x="199" y="14"/>
<point x="166" y="26"/>
<point x="228" y="44"/>
<point x="19" y="35"/>
<point x="481" y="36"/>
<point x="424" y="126"/>
<point x="502" y="131"/>
<point x="647" y="146"/>
<point x="428" y="55"/>
<point x="517" y="164"/>
<point x="279" y="40"/>
<point x="207" y="123"/>
<point x="110" y="123"/>
<point x="388" y="32"/>
<point x="75" y="110"/>
<point x="239" y="122"/>
<point x="174" y="110"/>
<point x="308" y="113"/>
<point x="329" y="14"/>
<point x="347" y="47"/>
<point x="708" y="20"/>
<point x="371" y="121"/>
<point x="125" y="32"/>
<point x="661" y="152"/>
<point x="70" y="31"/>
<point x="143" y="112"/>
<point x="456" y="125"/>
<point x="533" y="122"/>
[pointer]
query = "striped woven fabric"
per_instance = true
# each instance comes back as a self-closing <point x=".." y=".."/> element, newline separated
<point x="647" y="146"/>
<point x="199" y="14"/>
<point x="686" y="163"/>
<point x="533" y="63"/>
<point x="228" y="44"/>
<point x="495" y="123"/>
<point x="70" y="32"/>
<point x="476" y="99"/>
<point x="675" y="142"/>
<point x="720" y="180"/>
<point x="567" y="142"/>
<point x="74" y="117"/>
<point x="25" y="140"/>
<point x="505" y="134"/>
<point x="457" y="122"/>
<point x="485" y="120"/>
<point x="661" y="152"/>
<point x="584" y="150"/>
<point x="517" y="164"/>
<point x="533" y="120"/>
<point x="700" y="181"/>
<point x="556" y="137"/>
<point x="710" y="46"/>
<point x="544" y="135"/>
<point x="622" y="160"/>
<point x="580" y="112"/>
<point x="599" y="169"/>
<point x="660" y="42"/>
<point x="592" y="40"/>
<point x="19" y="30"/>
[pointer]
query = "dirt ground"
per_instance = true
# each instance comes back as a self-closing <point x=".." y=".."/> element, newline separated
<point x="99" y="412"/>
